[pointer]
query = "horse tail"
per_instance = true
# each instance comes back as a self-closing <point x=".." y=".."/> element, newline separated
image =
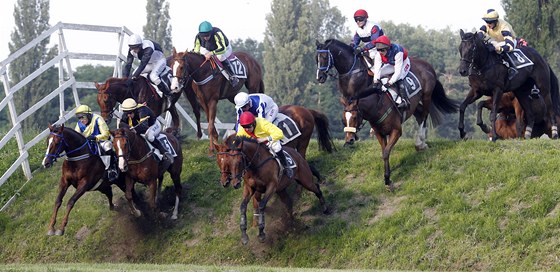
<point x="441" y="103"/>
<point x="323" y="134"/>
<point x="554" y="92"/>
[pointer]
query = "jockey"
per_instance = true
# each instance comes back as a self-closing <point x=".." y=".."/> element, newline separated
<point x="392" y="59"/>
<point x="94" y="128"/>
<point x="144" y="122"/>
<point x="260" y="105"/>
<point x="500" y="34"/>
<point x="152" y="61"/>
<point x="264" y="132"/>
<point x="212" y="41"/>
<point x="366" y="32"/>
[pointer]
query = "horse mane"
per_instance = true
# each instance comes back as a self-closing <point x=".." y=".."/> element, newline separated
<point x="337" y="43"/>
<point x="114" y="79"/>
<point x="365" y="93"/>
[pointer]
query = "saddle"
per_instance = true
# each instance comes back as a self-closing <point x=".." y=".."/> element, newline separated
<point x="162" y="138"/>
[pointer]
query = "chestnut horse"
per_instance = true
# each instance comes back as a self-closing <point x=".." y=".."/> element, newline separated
<point x="211" y="85"/>
<point x="488" y="75"/>
<point x="138" y="161"/>
<point x="83" y="169"/>
<point x="378" y="108"/>
<point x="509" y="111"/>
<point x="252" y="161"/>
<point x="115" y="90"/>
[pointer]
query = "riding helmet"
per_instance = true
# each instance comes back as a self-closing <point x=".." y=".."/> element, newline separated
<point x="491" y="16"/>
<point x="129" y="105"/>
<point x="241" y="99"/>
<point x="361" y="13"/>
<point x="83" y="110"/>
<point x="246" y="118"/>
<point x="134" y="41"/>
<point x="205" y="27"/>
<point x="382" y="42"/>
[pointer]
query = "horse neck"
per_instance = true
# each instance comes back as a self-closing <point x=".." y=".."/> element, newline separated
<point x="75" y="144"/>
<point x="137" y="146"/>
<point x="254" y="153"/>
<point x="342" y="62"/>
<point x="195" y="65"/>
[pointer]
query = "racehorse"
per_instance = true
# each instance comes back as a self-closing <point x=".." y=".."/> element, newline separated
<point x="115" y="90"/>
<point x="252" y="161"/>
<point x="509" y="112"/>
<point x="488" y="76"/>
<point x="83" y="169"/>
<point x="212" y="86"/>
<point x="352" y="69"/>
<point x="138" y="161"/>
<point x="378" y="108"/>
<point x="307" y="120"/>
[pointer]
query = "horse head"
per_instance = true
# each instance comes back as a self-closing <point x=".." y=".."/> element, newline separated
<point x="474" y="52"/>
<point x="187" y="66"/>
<point x="121" y="145"/>
<point x="222" y="158"/>
<point x="351" y="120"/>
<point x="64" y="139"/>
<point x="236" y="161"/>
<point x="324" y="61"/>
<point x="108" y="94"/>
<point x="178" y="73"/>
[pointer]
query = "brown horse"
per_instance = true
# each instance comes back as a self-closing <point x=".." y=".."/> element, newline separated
<point x="307" y="120"/>
<point x="378" y="108"/>
<point x="83" y="169"/>
<point x="488" y="76"/>
<point x="509" y="113"/>
<point x="115" y="90"/>
<point x="212" y="86"/>
<point x="252" y="161"/>
<point x="138" y="161"/>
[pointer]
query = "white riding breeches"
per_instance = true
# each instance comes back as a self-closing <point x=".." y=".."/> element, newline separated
<point x="275" y="146"/>
<point x="153" y="131"/>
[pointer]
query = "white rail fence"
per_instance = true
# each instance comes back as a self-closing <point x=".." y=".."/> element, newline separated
<point x="66" y="80"/>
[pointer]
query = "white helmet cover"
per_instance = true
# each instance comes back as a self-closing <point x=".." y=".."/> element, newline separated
<point x="134" y="39"/>
<point x="241" y="99"/>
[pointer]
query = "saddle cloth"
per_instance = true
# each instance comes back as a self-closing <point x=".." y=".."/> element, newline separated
<point x="518" y="59"/>
<point x="288" y="127"/>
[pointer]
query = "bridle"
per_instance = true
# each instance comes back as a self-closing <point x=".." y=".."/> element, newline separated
<point x="62" y="145"/>
<point x="330" y="63"/>
<point x="186" y="77"/>
<point x="128" y="144"/>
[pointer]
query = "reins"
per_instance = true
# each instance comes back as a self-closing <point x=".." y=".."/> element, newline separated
<point x="59" y="149"/>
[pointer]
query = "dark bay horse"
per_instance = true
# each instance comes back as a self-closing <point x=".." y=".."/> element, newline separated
<point x="377" y="107"/>
<point x="488" y="76"/>
<point x="211" y="85"/>
<point x="137" y="160"/>
<point x="115" y="90"/>
<point x="252" y="161"/>
<point x="83" y="169"/>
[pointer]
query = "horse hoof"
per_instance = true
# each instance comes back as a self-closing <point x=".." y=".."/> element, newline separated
<point x="59" y="232"/>
<point x="50" y="232"/>
<point x="327" y="211"/>
<point x="262" y="237"/>
<point x="390" y="187"/>
<point x="136" y="213"/>
<point x="245" y="239"/>
<point x="174" y="217"/>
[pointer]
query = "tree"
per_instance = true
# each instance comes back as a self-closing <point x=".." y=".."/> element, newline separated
<point x="292" y="28"/>
<point x="31" y="19"/>
<point x="537" y="22"/>
<point x="157" y="27"/>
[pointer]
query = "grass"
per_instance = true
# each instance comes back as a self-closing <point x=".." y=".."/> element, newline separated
<point x="460" y="205"/>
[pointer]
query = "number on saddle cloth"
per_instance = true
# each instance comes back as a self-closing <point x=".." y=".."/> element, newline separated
<point x="288" y="127"/>
<point x="162" y="138"/>
<point x="237" y="66"/>
<point x="518" y="59"/>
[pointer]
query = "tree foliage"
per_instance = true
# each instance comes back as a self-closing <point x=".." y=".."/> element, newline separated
<point x="31" y="19"/>
<point x="157" y="26"/>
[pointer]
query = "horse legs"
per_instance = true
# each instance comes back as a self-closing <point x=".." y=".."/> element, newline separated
<point x="471" y="97"/>
<point x="108" y="192"/>
<point x="213" y="134"/>
<point x="421" y="137"/>
<point x="176" y="177"/>
<point x="62" y="188"/>
<point x="191" y="96"/>
<point x="243" y="214"/>
<point x="305" y="179"/>
<point x="79" y="192"/>
<point x="479" y="121"/>
<point x="386" y="147"/>
<point x="256" y="200"/>
<point x="129" y="198"/>
<point x="287" y="200"/>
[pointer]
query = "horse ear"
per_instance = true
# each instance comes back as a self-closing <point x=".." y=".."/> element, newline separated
<point x="317" y="43"/>
<point x="343" y="101"/>
<point x="174" y="51"/>
<point x="462" y="33"/>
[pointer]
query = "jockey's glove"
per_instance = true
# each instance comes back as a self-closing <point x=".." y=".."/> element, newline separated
<point x="358" y="51"/>
<point x="387" y="85"/>
<point x="91" y="138"/>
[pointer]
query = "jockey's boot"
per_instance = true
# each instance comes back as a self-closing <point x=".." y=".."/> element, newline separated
<point x="166" y="155"/>
<point x="287" y="170"/>
<point x="232" y="78"/>
<point x="113" y="171"/>
<point x="511" y="70"/>
<point x="404" y="96"/>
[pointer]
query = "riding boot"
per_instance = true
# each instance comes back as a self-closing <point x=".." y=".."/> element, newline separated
<point x="404" y="96"/>
<point x="113" y="171"/>
<point x="166" y="155"/>
<point x="287" y="170"/>
<point x="232" y="78"/>
<point x="511" y="70"/>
